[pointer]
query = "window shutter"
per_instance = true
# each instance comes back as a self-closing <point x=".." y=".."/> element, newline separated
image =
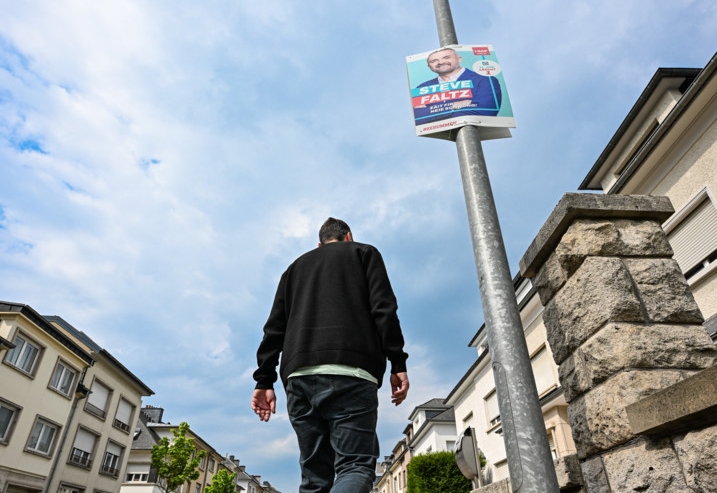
<point x="85" y="441"/>
<point x="501" y="471"/>
<point x="99" y="395"/>
<point x="696" y="236"/>
<point x="124" y="411"/>
<point x="491" y="406"/>
<point x="551" y="445"/>
<point x="543" y="370"/>
<point x="137" y="468"/>
<point x="114" y="449"/>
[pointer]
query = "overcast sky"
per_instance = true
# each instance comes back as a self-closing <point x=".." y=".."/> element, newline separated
<point x="162" y="162"/>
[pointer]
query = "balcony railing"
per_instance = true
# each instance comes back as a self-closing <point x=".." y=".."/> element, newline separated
<point x="122" y="426"/>
<point x="80" y="458"/>
<point x="91" y="408"/>
<point x="109" y="470"/>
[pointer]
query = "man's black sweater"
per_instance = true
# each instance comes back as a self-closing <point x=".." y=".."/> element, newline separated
<point x="334" y="305"/>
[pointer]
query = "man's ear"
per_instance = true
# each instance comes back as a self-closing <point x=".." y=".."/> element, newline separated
<point x="349" y="237"/>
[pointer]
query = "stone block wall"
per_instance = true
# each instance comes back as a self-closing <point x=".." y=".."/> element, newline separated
<point x="623" y="326"/>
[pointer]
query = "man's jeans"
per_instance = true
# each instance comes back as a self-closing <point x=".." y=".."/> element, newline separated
<point x="334" y="417"/>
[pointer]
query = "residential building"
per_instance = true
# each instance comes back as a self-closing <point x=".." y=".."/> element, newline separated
<point x="245" y="482"/>
<point x="434" y="428"/>
<point x="140" y="477"/>
<point x="41" y="372"/>
<point x="475" y="402"/>
<point x="100" y="435"/>
<point x="392" y="474"/>
<point x="77" y="443"/>
<point x="667" y="145"/>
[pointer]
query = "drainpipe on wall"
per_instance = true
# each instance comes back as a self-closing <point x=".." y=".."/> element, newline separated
<point x="80" y="393"/>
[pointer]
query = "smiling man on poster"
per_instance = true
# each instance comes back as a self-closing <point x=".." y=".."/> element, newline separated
<point x="457" y="90"/>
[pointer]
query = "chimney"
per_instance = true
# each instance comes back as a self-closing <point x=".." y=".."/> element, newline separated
<point x="153" y="414"/>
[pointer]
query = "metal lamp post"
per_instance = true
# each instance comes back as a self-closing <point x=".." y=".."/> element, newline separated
<point x="530" y="462"/>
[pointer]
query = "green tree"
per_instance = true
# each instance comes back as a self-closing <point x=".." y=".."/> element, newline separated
<point x="436" y="472"/>
<point x="222" y="482"/>
<point x="176" y="461"/>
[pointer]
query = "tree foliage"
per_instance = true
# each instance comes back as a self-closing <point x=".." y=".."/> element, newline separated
<point x="176" y="461"/>
<point x="436" y="472"/>
<point x="222" y="482"/>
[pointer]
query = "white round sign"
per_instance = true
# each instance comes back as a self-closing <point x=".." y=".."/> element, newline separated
<point x="486" y="67"/>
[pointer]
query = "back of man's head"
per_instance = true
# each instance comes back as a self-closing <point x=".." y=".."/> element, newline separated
<point x="333" y="229"/>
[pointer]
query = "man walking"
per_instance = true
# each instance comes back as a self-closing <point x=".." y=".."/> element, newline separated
<point x="334" y="322"/>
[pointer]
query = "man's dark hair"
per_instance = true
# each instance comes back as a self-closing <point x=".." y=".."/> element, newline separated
<point x="333" y="229"/>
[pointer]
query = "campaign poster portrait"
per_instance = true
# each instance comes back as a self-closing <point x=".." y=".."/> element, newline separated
<point x="459" y="85"/>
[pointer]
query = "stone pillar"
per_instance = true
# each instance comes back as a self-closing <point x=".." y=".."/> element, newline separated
<point x="622" y="325"/>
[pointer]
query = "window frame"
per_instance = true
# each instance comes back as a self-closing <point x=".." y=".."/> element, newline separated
<point x="93" y="409"/>
<point x="70" y="488"/>
<point x="544" y="352"/>
<point x="131" y="477"/>
<point x="89" y="460"/>
<point x="702" y="269"/>
<point x="493" y="421"/>
<point x="27" y="341"/>
<point x="14" y="417"/>
<point x="66" y="368"/>
<point x="121" y="425"/>
<point x="114" y="469"/>
<point x="53" y="441"/>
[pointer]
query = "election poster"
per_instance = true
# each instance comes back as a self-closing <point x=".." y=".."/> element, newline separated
<point x="459" y="85"/>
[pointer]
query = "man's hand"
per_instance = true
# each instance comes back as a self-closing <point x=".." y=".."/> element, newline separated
<point x="263" y="402"/>
<point x="399" y="387"/>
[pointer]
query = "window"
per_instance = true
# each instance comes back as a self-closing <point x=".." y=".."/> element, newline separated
<point x="202" y="462"/>
<point x="468" y="420"/>
<point x="124" y="415"/>
<point x="83" y="448"/>
<point x="8" y="416"/>
<point x="42" y="437"/>
<point x="501" y="471"/>
<point x="64" y="488"/>
<point x="137" y="473"/>
<point x="24" y="355"/>
<point x="111" y="462"/>
<point x="136" y="477"/>
<point x="211" y="465"/>
<point x="491" y="409"/>
<point x="197" y="488"/>
<point x="542" y="365"/>
<point x="551" y="444"/>
<point x="693" y="235"/>
<point x="97" y="400"/>
<point x="63" y="378"/>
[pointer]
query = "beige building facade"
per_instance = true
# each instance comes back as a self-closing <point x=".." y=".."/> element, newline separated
<point x="40" y="372"/>
<point x="474" y="398"/>
<point x="101" y="434"/>
<point x="67" y="407"/>
<point x="667" y="146"/>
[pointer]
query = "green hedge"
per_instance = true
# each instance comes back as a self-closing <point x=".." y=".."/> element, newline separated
<point x="436" y="472"/>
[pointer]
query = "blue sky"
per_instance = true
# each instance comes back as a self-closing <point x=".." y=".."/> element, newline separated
<point x="162" y="162"/>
